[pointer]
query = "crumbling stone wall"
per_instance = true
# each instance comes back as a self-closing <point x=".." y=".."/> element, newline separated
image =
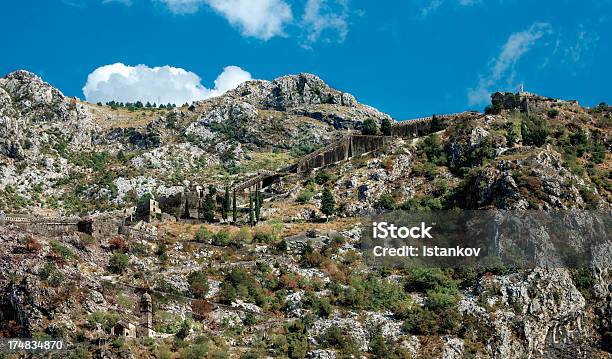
<point x="361" y="144"/>
<point x="338" y="150"/>
<point x="42" y="225"/>
<point x="101" y="226"/>
<point x="184" y="205"/>
<point x="413" y="128"/>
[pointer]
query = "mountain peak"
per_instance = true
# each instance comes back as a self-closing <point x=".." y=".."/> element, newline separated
<point x="23" y="75"/>
<point x="25" y="85"/>
<point x="290" y="92"/>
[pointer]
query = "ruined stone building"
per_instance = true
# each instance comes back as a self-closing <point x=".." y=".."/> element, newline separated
<point x="124" y="329"/>
<point x="145" y="326"/>
<point x="102" y="225"/>
<point x="148" y="210"/>
<point x="144" y="329"/>
<point x="185" y="205"/>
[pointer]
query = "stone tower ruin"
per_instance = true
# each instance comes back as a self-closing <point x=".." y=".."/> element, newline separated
<point x="145" y="327"/>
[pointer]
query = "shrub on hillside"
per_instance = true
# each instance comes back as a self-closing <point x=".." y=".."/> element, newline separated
<point x="198" y="284"/>
<point x="553" y="113"/>
<point x="320" y="306"/>
<point x="423" y="279"/>
<point x="242" y="236"/>
<point x="117" y="243"/>
<point x="203" y="234"/>
<point x="32" y="245"/>
<point x="62" y="251"/>
<point x="323" y="177"/>
<point x="369" y="127"/>
<point x="370" y="293"/>
<point x="338" y="338"/>
<point x="51" y="275"/>
<point x="240" y="284"/>
<point x="304" y="196"/>
<point x="118" y="263"/>
<point x="433" y="149"/>
<point x="386" y="202"/>
<point x="534" y="131"/>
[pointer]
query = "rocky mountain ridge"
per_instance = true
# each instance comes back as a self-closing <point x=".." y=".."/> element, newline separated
<point x="295" y="285"/>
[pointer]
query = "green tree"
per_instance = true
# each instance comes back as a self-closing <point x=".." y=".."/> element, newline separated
<point x="258" y="200"/>
<point x="251" y="217"/>
<point x="118" y="263"/>
<point x="323" y="177"/>
<point x="121" y="156"/>
<point x="198" y="284"/>
<point x="387" y="202"/>
<point x="369" y="127"/>
<point x="435" y="123"/>
<point x="385" y="127"/>
<point x="144" y="199"/>
<point x="534" y="131"/>
<point x="434" y="150"/>
<point x="234" y="209"/>
<point x="226" y="204"/>
<point x="171" y="120"/>
<point x="328" y="204"/>
<point x="208" y="210"/>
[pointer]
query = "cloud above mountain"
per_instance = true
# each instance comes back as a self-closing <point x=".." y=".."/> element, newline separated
<point x="164" y="84"/>
<point x="265" y="19"/>
<point x="324" y="17"/>
<point x="262" y="19"/>
<point x="503" y="67"/>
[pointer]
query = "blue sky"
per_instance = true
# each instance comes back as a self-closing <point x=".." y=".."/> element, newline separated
<point x="407" y="58"/>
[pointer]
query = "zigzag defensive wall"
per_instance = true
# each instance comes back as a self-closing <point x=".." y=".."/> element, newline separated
<point x="355" y="145"/>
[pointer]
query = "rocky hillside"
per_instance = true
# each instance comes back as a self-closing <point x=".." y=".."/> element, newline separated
<point x="294" y="285"/>
<point x="82" y="157"/>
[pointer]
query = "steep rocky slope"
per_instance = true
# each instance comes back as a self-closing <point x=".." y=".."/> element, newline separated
<point x="295" y="285"/>
<point x="53" y="143"/>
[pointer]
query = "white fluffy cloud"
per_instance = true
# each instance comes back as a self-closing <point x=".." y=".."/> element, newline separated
<point x="164" y="84"/>
<point x="262" y="19"/>
<point x="503" y="66"/>
<point x="265" y="19"/>
<point x="325" y="15"/>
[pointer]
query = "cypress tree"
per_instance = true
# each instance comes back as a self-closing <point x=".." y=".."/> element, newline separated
<point x="251" y="219"/>
<point x="209" y="208"/>
<point x="257" y="204"/>
<point x="435" y="123"/>
<point x="385" y="127"/>
<point x="328" y="204"/>
<point x="225" y="205"/>
<point x="209" y="205"/>
<point x="234" y="211"/>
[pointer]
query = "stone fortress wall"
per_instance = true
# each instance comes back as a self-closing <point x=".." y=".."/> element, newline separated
<point x="355" y="145"/>
<point x="42" y="224"/>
